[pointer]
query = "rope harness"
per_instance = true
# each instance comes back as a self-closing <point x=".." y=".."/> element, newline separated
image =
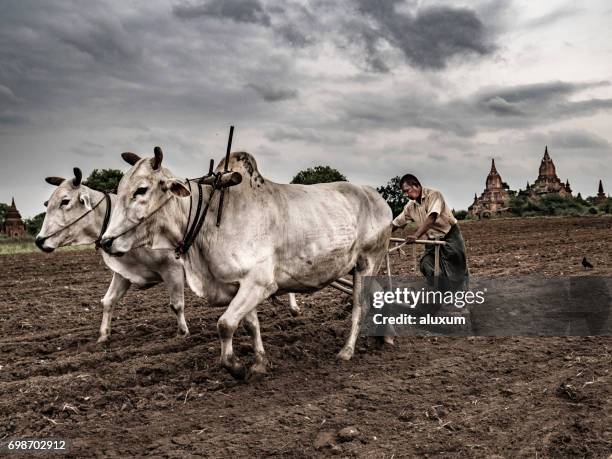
<point x="106" y="197"/>
<point x="133" y="227"/>
<point x="191" y="231"/>
<point x="106" y="220"/>
<point x="214" y="179"/>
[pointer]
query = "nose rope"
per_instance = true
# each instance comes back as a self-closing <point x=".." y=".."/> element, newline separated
<point x="77" y="220"/>
<point x="112" y="239"/>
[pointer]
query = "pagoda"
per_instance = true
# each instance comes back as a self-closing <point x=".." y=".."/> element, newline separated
<point x="493" y="200"/>
<point x="547" y="181"/>
<point x="601" y="196"/>
<point x="13" y="224"/>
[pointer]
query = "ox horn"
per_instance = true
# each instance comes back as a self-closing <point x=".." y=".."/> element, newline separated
<point x="158" y="158"/>
<point x="56" y="181"/>
<point x="130" y="158"/>
<point x="78" y="176"/>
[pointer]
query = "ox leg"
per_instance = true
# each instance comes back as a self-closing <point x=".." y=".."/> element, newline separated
<point x="293" y="306"/>
<point x="251" y="323"/>
<point x="358" y="309"/>
<point x="245" y="301"/>
<point x="117" y="288"/>
<point x="175" y="283"/>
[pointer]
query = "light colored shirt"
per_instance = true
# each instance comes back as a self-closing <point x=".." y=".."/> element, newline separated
<point x="432" y="201"/>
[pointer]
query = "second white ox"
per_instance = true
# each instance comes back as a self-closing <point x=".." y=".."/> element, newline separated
<point x="75" y="215"/>
<point x="273" y="239"/>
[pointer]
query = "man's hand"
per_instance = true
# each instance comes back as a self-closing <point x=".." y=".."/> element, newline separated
<point x="410" y="239"/>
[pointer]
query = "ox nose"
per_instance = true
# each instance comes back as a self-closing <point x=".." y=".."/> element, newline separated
<point x="40" y="243"/>
<point x="107" y="243"/>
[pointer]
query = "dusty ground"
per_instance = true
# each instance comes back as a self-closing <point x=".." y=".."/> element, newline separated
<point x="148" y="392"/>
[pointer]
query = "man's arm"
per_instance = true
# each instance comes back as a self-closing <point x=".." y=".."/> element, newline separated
<point x="427" y="224"/>
<point x="401" y="220"/>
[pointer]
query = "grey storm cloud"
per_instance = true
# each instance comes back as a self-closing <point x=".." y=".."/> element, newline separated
<point x="312" y="80"/>
<point x="553" y="16"/>
<point x="248" y="11"/>
<point x="272" y="94"/>
<point x="310" y="135"/>
<point x="538" y="92"/>
<point x="10" y="118"/>
<point x="572" y="139"/>
<point x="532" y="101"/>
<point x="430" y="37"/>
<point x="500" y="106"/>
<point x="492" y="108"/>
<point x="105" y="39"/>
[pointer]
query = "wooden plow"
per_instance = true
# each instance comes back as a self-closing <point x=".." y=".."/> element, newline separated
<point x="346" y="285"/>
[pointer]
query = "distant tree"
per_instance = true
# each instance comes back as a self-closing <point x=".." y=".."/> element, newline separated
<point x="582" y="201"/>
<point x="606" y="206"/>
<point x="550" y="204"/>
<point x="517" y="205"/>
<point x="34" y="224"/>
<point x="3" y="210"/>
<point x="460" y="214"/>
<point x="392" y="193"/>
<point x="105" y="180"/>
<point x="318" y="174"/>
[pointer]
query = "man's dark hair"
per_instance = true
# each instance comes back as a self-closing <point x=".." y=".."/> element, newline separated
<point x="409" y="179"/>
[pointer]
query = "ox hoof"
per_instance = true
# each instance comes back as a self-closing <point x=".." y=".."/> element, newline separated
<point x="235" y="369"/>
<point x="295" y="311"/>
<point x="103" y="339"/>
<point x="257" y="372"/>
<point x="382" y="341"/>
<point x="182" y="334"/>
<point x="346" y="353"/>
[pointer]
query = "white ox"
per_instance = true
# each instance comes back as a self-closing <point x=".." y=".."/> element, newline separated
<point x="141" y="267"/>
<point x="273" y="239"/>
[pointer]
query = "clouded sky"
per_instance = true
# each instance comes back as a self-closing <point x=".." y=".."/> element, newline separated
<point x="375" y="88"/>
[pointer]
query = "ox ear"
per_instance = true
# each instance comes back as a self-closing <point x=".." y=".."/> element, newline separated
<point x="78" y="176"/>
<point x="56" y="181"/>
<point x="177" y="188"/>
<point x="85" y="199"/>
<point x="157" y="160"/>
<point x="130" y="158"/>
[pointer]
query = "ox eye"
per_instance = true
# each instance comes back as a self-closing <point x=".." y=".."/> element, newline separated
<point x="46" y="203"/>
<point x="64" y="202"/>
<point x="140" y="191"/>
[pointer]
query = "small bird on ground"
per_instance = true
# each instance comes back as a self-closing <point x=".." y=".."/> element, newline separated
<point x="586" y="264"/>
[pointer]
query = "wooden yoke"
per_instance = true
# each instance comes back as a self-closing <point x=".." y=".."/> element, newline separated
<point x="226" y="179"/>
<point x="227" y="154"/>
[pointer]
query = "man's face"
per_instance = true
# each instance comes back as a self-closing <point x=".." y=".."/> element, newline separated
<point x="412" y="191"/>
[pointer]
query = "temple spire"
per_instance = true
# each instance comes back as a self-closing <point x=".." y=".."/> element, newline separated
<point x="493" y="170"/>
<point x="600" y="189"/>
<point x="546" y="156"/>
<point x="13" y="200"/>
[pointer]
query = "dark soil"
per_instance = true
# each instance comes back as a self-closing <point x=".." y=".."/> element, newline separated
<point x="148" y="392"/>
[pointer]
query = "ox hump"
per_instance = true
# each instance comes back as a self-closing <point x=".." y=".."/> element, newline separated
<point x="245" y="164"/>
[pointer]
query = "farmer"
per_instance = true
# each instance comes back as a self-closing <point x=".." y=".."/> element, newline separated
<point x="428" y="209"/>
